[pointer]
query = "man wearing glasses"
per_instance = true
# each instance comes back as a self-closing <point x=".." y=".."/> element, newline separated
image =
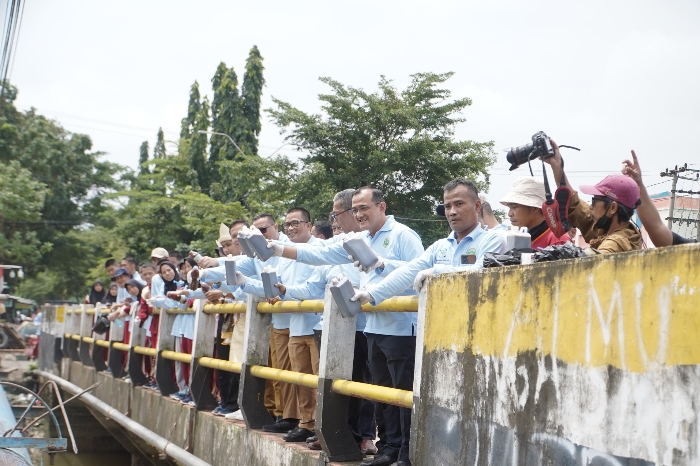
<point x="391" y="336"/>
<point x="301" y="345"/>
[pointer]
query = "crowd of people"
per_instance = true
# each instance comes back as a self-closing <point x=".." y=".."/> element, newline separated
<point x="306" y="257"/>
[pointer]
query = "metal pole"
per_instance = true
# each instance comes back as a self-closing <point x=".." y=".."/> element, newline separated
<point x="224" y="134"/>
<point x="673" y="199"/>
<point x="171" y="450"/>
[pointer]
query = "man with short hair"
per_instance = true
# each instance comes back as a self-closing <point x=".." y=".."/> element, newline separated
<point x="486" y="216"/>
<point x="322" y="229"/>
<point x="605" y="223"/>
<point x="129" y="263"/>
<point x="111" y="266"/>
<point x="524" y="202"/>
<point x="175" y="257"/>
<point x="391" y="336"/>
<point x="463" y="249"/>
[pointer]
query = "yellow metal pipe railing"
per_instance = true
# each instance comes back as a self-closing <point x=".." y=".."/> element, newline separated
<point x="176" y="356"/>
<point x="120" y="346"/>
<point x="228" y="308"/>
<point x="66" y="336"/>
<point x="315" y="305"/>
<point x="88" y="340"/>
<point x="102" y="343"/>
<point x="397" y="304"/>
<point x="145" y="351"/>
<point x="296" y="378"/>
<point x="75" y="337"/>
<point x="392" y="396"/>
<point x="180" y="311"/>
<point x="220" y="364"/>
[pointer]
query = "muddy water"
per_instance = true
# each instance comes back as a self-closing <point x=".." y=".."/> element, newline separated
<point x="89" y="459"/>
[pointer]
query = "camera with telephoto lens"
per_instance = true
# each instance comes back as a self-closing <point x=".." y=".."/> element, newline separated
<point x="540" y="147"/>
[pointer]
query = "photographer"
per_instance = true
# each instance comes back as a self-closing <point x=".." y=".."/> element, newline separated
<point x="524" y="202"/>
<point x="658" y="232"/>
<point x="605" y="223"/>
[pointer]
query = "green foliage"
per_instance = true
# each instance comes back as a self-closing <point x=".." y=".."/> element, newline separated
<point x="253" y="83"/>
<point x="159" y="149"/>
<point x="21" y="203"/>
<point x="143" y="159"/>
<point x="400" y="141"/>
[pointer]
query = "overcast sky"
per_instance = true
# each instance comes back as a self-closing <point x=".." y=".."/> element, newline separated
<point x="603" y="76"/>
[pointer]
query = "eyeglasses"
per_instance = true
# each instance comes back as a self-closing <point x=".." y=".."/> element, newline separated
<point x="362" y="208"/>
<point x="263" y="230"/>
<point x="602" y="199"/>
<point x="335" y="215"/>
<point x="293" y="224"/>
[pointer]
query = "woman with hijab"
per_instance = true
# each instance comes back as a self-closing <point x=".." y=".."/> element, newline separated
<point x="111" y="296"/>
<point x="97" y="293"/>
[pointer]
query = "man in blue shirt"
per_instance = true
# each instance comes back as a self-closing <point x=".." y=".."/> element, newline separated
<point x="463" y="249"/>
<point x="391" y="336"/>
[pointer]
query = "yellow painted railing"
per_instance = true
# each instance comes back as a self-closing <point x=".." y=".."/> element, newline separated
<point x="176" y="356"/>
<point x="145" y="351"/>
<point x="220" y="364"/>
<point x="392" y="396"/>
<point x="228" y="308"/>
<point x="120" y="346"/>
<point x="102" y="343"/>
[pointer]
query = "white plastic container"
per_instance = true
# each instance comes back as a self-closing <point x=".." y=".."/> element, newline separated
<point x="518" y="238"/>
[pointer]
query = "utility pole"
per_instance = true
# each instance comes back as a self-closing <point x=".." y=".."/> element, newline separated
<point x="674" y="173"/>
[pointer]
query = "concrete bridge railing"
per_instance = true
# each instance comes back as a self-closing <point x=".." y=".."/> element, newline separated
<point x="588" y="361"/>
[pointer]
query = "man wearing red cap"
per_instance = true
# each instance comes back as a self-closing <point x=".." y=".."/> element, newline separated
<point x="605" y="223"/>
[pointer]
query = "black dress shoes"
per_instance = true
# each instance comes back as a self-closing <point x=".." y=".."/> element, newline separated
<point x="298" y="435"/>
<point x="379" y="461"/>
<point x="282" y="427"/>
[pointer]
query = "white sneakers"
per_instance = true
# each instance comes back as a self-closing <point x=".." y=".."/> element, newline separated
<point x="236" y="415"/>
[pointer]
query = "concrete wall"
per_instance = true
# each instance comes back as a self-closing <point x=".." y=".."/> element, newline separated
<point x="593" y="361"/>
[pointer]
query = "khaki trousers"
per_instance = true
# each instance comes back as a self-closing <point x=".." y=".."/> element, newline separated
<point x="272" y="394"/>
<point x="237" y="338"/>
<point x="303" y="353"/>
<point x="287" y="392"/>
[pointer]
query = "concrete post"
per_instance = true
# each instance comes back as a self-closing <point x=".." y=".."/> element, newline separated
<point x="138" y="338"/>
<point x="116" y="357"/>
<point x="202" y="345"/>
<point x="72" y="328"/>
<point x="256" y="351"/>
<point x="98" y="352"/>
<point x="422" y="306"/>
<point x="337" y="349"/>
<point x="51" y="339"/>
<point x="166" y="342"/>
<point x="85" y="331"/>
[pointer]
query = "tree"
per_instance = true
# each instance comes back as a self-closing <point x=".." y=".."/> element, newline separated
<point x="159" y="149"/>
<point x="198" y="147"/>
<point x="253" y="83"/>
<point x="193" y="108"/>
<point x="400" y="141"/>
<point x="143" y="159"/>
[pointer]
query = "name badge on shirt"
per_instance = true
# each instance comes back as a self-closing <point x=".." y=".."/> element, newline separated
<point x="441" y="256"/>
<point x="468" y="259"/>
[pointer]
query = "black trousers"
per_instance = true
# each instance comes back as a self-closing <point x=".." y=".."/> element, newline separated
<point x="228" y="381"/>
<point x="361" y="412"/>
<point x="392" y="360"/>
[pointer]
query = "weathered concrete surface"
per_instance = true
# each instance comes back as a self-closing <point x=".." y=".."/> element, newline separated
<point x="166" y="417"/>
<point x="115" y="392"/>
<point x="592" y="361"/>
<point x="214" y="439"/>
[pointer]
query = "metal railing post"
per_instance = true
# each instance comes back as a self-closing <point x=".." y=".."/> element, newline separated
<point x="138" y="338"/>
<point x="115" y="359"/>
<point x="202" y="345"/>
<point x="166" y="342"/>
<point x="85" y="331"/>
<point x="98" y="352"/>
<point x="256" y="351"/>
<point x="337" y="350"/>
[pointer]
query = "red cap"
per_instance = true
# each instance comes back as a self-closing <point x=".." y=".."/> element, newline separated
<point x="620" y="188"/>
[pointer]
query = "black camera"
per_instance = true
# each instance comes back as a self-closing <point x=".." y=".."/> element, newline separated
<point x="540" y="147"/>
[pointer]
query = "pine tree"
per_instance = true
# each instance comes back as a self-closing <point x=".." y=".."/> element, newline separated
<point x="159" y="148"/>
<point x="198" y="146"/>
<point x="230" y="120"/>
<point x="216" y="142"/>
<point x="143" y="159"/>
<point x="253" y="83"/>
<point x="193" y="109"/>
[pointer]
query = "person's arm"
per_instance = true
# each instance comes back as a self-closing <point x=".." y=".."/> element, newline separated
<point x="658" y="232"/>
<point x="557" y="164"/>
<point x="494" y="243"/>
<point x="333" y="254"/>
<point x="401" y="278"/>
<point x="313" y="288"/>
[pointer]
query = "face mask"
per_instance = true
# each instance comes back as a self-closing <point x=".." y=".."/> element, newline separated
<point x="604" y="222"/>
